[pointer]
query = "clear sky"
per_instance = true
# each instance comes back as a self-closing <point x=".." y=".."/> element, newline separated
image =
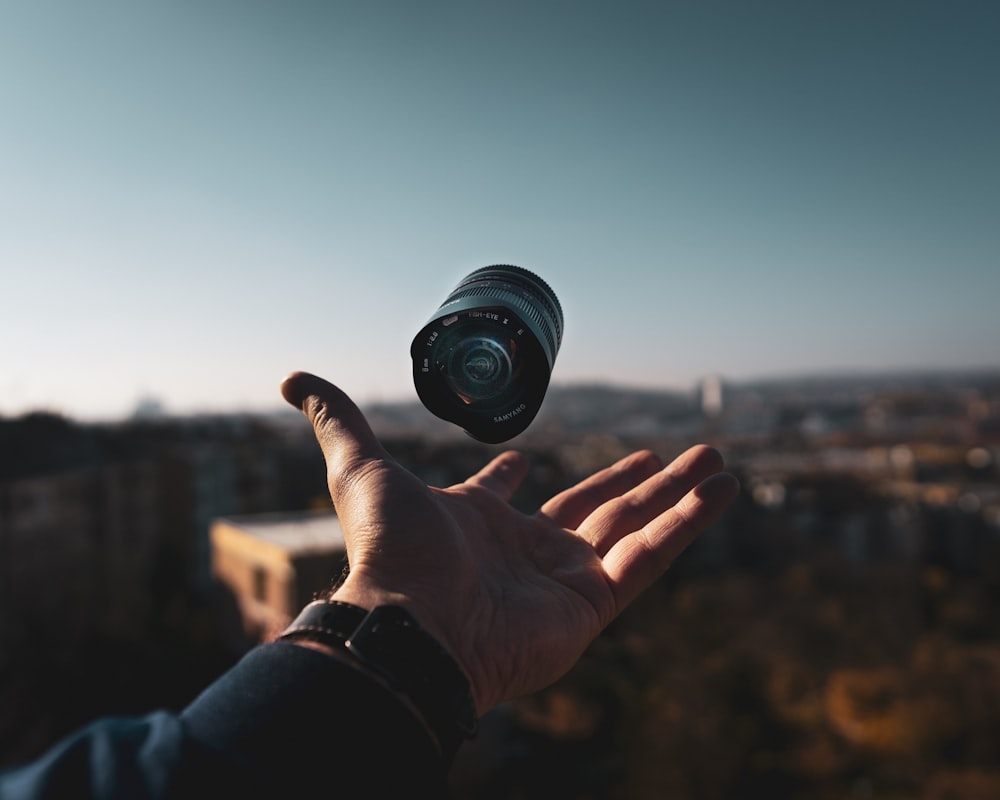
<point x="198" y="196"/>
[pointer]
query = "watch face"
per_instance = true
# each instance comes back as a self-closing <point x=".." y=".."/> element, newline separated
<point x="392" y="643"/>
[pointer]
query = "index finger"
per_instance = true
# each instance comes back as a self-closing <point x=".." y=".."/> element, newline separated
<point x="503" y="474"/>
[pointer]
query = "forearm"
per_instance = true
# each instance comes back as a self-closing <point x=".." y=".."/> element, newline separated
<point x="306" y="719"/>
<point x="283" y="721"/>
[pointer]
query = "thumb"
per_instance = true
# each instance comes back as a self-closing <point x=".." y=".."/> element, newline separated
<point x="341" y="429"/>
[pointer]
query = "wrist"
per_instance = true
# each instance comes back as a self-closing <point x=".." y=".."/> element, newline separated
<point x="359" y="590"/>
<point x="389" y="644"/>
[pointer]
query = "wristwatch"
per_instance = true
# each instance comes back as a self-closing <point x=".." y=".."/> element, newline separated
<point x="389" y="641"/>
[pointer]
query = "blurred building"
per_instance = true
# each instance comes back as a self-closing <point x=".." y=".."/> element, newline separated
<point x="274" y="564"/>
<point x="78" y="545"/>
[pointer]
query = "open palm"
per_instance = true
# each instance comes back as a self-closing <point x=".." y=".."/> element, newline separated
<point x="515" y="598"/>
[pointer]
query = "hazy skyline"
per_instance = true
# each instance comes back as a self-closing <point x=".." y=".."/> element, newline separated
<point x="198" y="197"/>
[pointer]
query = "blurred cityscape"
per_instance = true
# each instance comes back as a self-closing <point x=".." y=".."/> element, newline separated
<point x="836" y="634"/>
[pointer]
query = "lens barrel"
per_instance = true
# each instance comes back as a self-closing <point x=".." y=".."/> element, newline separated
<point x="485" y="358"/>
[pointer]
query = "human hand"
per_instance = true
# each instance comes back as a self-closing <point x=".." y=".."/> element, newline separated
<point x="515" y="598"/>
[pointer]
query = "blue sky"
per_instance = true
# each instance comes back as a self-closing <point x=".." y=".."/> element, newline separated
<point x="197" y="197"/>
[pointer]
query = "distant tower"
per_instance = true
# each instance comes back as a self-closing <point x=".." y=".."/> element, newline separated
<point x="711" y="396"/>
<point x="149" y="407"/>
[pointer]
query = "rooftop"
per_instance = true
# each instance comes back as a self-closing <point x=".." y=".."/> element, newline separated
<point x="297" y="532"/>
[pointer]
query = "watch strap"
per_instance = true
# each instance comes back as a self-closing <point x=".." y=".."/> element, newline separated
<point x="327" y="621"/>
<point x="391" y="643"/>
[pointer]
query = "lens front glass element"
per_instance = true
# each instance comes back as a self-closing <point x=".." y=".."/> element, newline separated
<point x="479" y="368"/>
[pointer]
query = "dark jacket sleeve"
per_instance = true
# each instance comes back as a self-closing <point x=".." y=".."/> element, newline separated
<point x="286" y="721"/>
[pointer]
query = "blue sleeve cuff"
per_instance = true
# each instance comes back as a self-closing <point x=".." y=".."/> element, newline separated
<point x="284" y="722"/>
<point x="307" y="720"/>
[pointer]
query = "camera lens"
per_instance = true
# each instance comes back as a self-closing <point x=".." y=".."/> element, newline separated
<point x="479" y="368"/>
<point x="485" y="358"/>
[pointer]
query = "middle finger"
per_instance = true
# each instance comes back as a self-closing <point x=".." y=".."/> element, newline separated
<point x="630" y="511"/>
<point x="570" y="508"/>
